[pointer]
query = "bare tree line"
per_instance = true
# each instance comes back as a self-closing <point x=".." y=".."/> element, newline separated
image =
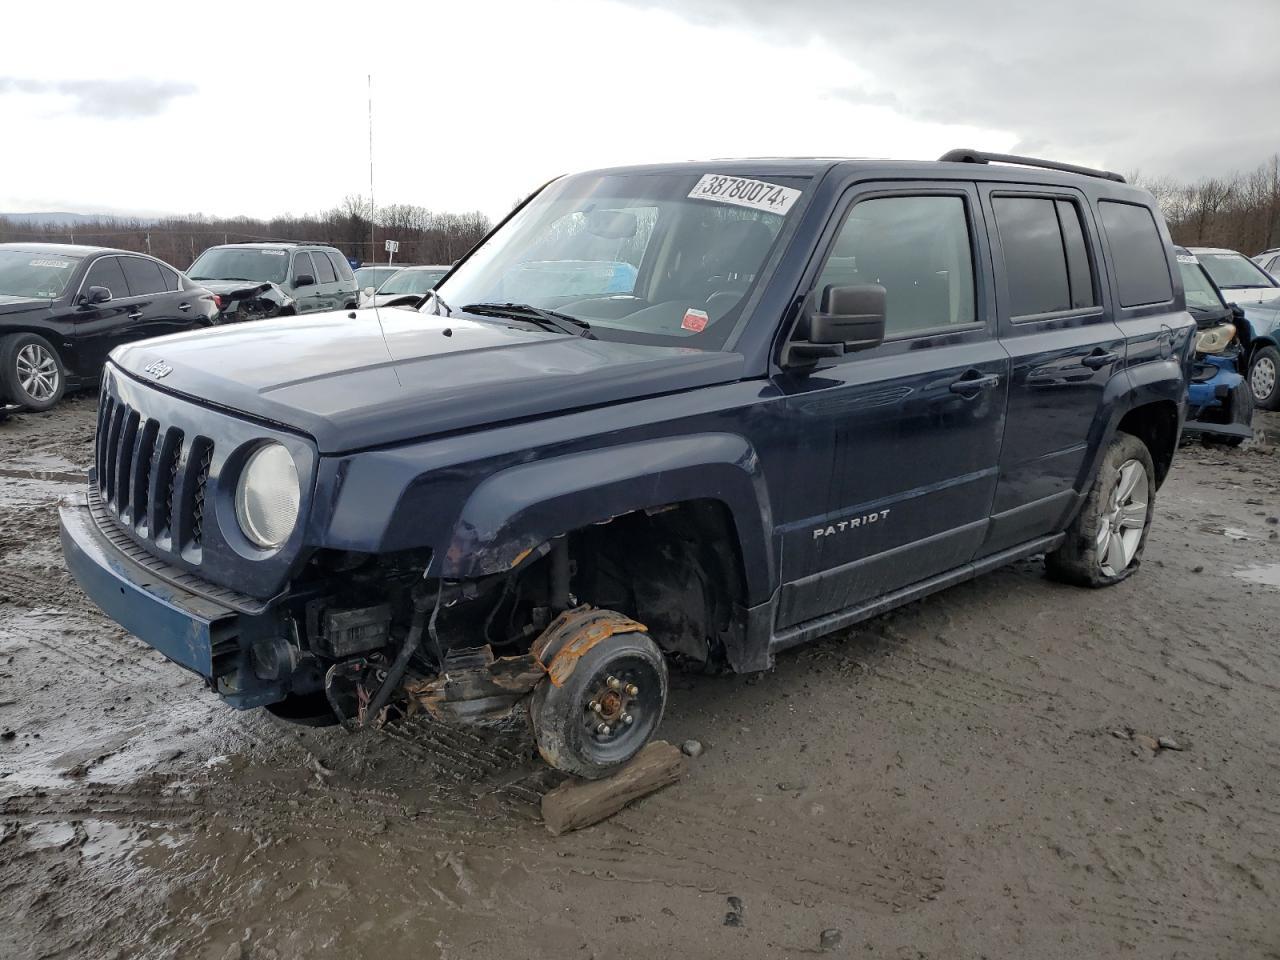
<point x="1240" y="211"/>
<point x="424" y="236"/>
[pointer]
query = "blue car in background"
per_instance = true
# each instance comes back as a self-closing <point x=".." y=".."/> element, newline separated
<point x="1260" y="333"/>
<point x="1219" y="399"/>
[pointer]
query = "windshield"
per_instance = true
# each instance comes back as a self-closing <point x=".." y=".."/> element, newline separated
<point x="372" y="276"/>
<point x="648" y="258"/>
<point x="40" y="276"/>
<point x="412" y="281"/>
<point x="241" y="263"/>
<point x="1232" y="271"/>
<point x="1200" y="292"/>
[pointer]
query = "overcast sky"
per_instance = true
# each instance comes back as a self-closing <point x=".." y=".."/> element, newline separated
<point x="260" y="108"/>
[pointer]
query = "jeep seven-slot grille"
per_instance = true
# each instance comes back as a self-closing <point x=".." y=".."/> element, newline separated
<point x="152" y="477"/>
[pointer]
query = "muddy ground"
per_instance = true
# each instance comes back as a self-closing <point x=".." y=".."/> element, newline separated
<point x="955" y="779"/>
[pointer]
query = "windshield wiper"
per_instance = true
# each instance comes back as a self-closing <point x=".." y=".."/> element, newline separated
<point x="547" y="319"/>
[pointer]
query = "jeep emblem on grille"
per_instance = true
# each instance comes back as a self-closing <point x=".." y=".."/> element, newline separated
<point x="158" y="369"/>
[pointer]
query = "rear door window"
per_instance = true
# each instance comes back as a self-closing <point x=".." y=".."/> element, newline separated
<point x="1046" y="255"/>
<point x="1035" y="262"/>
<point x="1142" y="269"/>
<point x="340" y="264"/>
<point x="170" y="278"/>
<point x="143" y="276"/>
<point x="1079" y="270"/>
<point x="324" y="269"/>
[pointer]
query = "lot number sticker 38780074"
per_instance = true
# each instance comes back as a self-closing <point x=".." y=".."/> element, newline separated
<point x="741" y="192"/>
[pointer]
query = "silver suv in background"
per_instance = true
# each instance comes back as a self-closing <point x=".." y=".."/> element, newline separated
<point x="259" y="280"/>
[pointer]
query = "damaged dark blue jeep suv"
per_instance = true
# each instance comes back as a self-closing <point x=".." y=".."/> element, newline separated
<point x="693" y="413"/>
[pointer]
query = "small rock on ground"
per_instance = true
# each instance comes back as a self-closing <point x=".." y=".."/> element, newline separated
<point x="691" y="748"/>
<point x="829" y="939"/>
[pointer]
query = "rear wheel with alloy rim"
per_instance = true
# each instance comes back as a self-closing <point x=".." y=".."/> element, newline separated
<point x="30" y="372"/>
<point x="1104" y="543"/>
<point x="1264" y="378"/>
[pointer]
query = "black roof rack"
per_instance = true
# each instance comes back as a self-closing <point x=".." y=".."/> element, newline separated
<point x="979" y="156"/>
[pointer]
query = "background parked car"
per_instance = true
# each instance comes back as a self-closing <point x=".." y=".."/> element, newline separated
<point x="257" y="280"/>
<point x="375" y="277"/>
<point x="1239" y="278"/>
<point x="1260" y="331"/>
<point x="63" y="308"/>
<point x="1219" y="400"/>
<point x="409" y="282"/>
<point x="1269" y="260"/>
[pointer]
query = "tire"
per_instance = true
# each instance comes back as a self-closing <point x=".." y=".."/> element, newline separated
<point x="1241" y="413"/>
<point x="565" y="725"/>
<point x="304" y="710"/>
<point x="31" y="372"/>
<point x="1264" y="377"/>
<point x="1092" y="553"/>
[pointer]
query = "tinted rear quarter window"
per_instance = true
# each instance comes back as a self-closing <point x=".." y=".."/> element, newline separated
<point x="143" y="276"/>
<point x="1137" y="253"/>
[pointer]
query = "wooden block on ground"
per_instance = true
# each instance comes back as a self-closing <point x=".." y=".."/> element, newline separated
<point x="579" y="803"/>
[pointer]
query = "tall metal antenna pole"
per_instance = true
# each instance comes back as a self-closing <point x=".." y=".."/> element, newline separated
<point x="373" y="210"/>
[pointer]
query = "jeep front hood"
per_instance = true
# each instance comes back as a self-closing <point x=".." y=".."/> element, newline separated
<point x="364" y="378"/>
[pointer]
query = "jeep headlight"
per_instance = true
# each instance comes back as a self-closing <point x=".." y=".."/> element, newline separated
<point x="268" y="496"/>
<point x="1215" y="339"/>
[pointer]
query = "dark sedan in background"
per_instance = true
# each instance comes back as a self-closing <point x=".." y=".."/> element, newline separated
<point x="63" y="308"/>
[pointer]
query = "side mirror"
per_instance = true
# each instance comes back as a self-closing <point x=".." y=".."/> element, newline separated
<point x="369" y="292"/>
<point x="304" y="280"/>
<point x="94" y="296"/>
<point x="848" y="318"/>
<point x="1237" y="311"/>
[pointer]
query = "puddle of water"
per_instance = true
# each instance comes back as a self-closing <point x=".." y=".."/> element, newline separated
<point x="1268" y="574"/>
<point x="43" y="836"/>
<point x="56" y="476"/>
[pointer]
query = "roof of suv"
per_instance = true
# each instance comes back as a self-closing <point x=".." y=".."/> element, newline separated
<point x="1014" y="169"/>
<point x="280" y="244"/>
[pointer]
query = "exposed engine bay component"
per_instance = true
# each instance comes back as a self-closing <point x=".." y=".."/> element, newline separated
<point x="340" y="633"/>
<point x="474" y="686"/>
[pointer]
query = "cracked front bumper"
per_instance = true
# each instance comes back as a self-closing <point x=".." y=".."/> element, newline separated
<point x="192" y="631"/>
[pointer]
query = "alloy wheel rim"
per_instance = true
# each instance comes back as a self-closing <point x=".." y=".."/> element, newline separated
<point x="37" y="372"/>
<point x="1120" y="531"/>
<point x="1263" y="378"/>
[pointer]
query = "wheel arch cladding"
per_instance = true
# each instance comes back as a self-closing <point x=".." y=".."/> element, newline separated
<point x="514" y="511"/>
<point x="1156" y="425"/>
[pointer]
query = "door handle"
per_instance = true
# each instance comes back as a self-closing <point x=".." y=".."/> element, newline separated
<point x="184" y="306"/>
<point x="969" y="386"/>
<point x="1097" y="360"/>
<point x="135" y="314"/>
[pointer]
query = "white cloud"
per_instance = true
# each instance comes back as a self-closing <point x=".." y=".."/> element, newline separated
<point x="475" y="104"/>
